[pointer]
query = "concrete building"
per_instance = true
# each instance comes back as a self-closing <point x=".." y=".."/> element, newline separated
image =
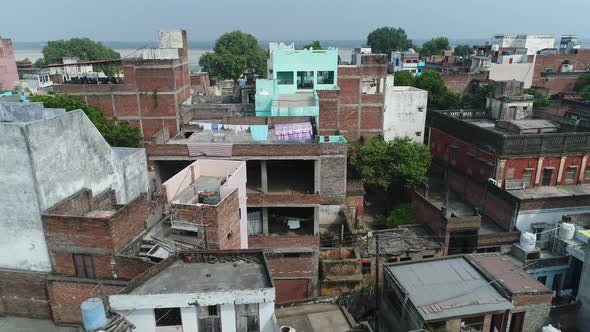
<point x="48" y="156"/>
<point x="202" y="291"/>
<point x="444" y="293"/>
<point x="207" y="199"/>
<point x="569" y="44"/>
<point x="407" y="61"/>
<point x="532" y="42"/>
<point x="296" y="186"/>
<point x="404" y="112"/>
<point x="152" y="90"/>
<point x="8" y="72"/>
<point x="509" y="102"/>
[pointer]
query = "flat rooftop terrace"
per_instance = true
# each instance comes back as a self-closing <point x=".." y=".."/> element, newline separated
<point x="551" y="192"/>
<point x="230" y="135"/>
<point x="216" y="275"/>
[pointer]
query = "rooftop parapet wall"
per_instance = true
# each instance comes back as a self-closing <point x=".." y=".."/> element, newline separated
<point x="505" y="144"/>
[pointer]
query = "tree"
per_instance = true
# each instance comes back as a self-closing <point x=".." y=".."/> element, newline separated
<point x="435" y="46"/>
<point x="540" y="100"/>
<point x="585" y="92"/>
<point x="313" y="45"/>
<point x="83" y="48"/>
<point x="392" y="165"/>
<point x="388" y="39"/>
<point x="404" y="78"/>
<point x="404" y="214"/>
<point x="439" y="96"/>
<point x="462" y="50"/>
<point x="234" y="54"/>
<point x="583" y="81"/>
<point x="478" y="98"/>
<point x="116" y="133"/>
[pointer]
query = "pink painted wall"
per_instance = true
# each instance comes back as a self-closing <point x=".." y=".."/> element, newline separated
<point x="8" y="73"/>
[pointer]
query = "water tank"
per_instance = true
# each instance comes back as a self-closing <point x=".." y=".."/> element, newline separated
<point x="567" y="231"/>
<point x="550" y="328"/>
<point x="93" y="314"/>
<point x="495" y="47"/>
<point x="286" y="329"/>
<point x="527" y="241"/>
<point x="209" y="197"/>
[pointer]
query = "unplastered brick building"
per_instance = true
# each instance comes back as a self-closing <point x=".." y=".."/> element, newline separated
<point x="155" y="83"/>
<point x="83" y="233"/>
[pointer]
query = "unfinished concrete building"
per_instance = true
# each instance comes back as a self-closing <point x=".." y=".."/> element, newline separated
<point x="48" y="156"/>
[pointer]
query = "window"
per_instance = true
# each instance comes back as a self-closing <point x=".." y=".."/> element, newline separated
<point x="366" y="268"/>
<point x="305" y="80"/>
<point x="209" y="318"/>
<point x="427" y="256"/>
<point x="542" y="279"/>
<point x="527" y="177"/>
<point x="418" y="133"/>
<point x="325" y="77"/>
<point x="284" y="77"/>
<point x="587" y="176"/>
<point x="570" y="176"/>
<point x="472" y="324"/>
<point x="168" y="317"/>
<point x="405" y="259"/>
<point x="547" y="176"/>
<point x="247" y="318"/>
<point x="84" y="266"/>
<point x="524" y="108"/>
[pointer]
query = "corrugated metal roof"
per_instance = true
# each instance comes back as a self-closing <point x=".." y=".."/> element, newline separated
<point x="448" y="287"/>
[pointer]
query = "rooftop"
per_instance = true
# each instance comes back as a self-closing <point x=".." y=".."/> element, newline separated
<point x="408" y="238"/>
<point x="206" y="271"/>
<point x="317" y="317"/>
<point x="448" y="287"/>
<point x="551" y="192"/>
<point x="17" y="112"/>
<point x="511" y="276"/>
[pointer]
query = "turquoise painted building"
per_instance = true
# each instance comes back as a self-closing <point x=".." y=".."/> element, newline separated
<point x="296" y="77"/>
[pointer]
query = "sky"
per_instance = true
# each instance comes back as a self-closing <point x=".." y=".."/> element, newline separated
<point x="205" y="20"/>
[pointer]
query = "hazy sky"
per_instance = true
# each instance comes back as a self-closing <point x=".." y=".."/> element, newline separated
<point x="139" y="20"/>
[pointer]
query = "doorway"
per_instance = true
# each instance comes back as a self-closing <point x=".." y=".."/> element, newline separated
<point x="547" y="175"/>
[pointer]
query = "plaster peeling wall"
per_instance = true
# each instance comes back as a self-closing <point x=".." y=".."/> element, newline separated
<point x="44" y="162"/>
<point x="402" y="116"/>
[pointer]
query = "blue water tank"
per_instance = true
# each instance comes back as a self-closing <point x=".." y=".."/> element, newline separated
<point x="93" y="314"/>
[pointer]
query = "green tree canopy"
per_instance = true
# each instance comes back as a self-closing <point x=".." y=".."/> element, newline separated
<point x="435" y="46"/>
<point x="583" y="81"/>
<point x="316" y="45"/>
<point x="83" y="48"/>
<point x="540" y="100"/>
<point x="404" y="78"/>
<point x="477" y="99"/>
<point x="439" y="96"/>
<point x="234" y="54"/>
<point x="116" y="133"/>
<point x="388" y="39"/>
<point x="392" y="165"/>
<point x="585" y="92"/>
<point x="462" y="50"/>
<point x="403" y="214"/>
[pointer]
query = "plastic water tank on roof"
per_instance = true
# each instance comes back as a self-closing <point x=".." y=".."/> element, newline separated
<point x="528" y="241"/>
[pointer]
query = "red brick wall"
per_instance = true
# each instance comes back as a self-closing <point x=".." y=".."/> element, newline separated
<point x="481" y="164"/>
<point x="499" y="210"/>
<point x="520" y="300"/>
<point x="580" y="61"/>
<point x="278" y="199"/>
<point x="427" y="214"/>
<point x="24" y="294"/>
<point x="129" y="267"/>
<point x="228" y="222"/>
<point x="129" y="222"/>
<point x="277" y="241"/>
<point x="66" y="297"/>
<point x="291" y="267"/>
<point x="462" y="83"/>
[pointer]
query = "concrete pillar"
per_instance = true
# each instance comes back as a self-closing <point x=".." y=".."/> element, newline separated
<point x="228" y="317"/>
<point x="583" y="170"/>
<point x="487" y="322"/>
<point x="189" y="319"/>
<point x="560" y="170"/>
<point x="317" y="180"/>
<point x="316" y="220"/>
<point x="454" y="325"/>
<point x="265" y="315"/>
<point x="263" y="177"/>
<point x="539" y="171"/>
<point x="264" y="220"/>
<point x="500" y="172"/>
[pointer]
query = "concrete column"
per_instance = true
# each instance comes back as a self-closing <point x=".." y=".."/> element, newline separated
<point x="539" y="171"/>
<point x="316" y="220"/>
<point x="500" y="172"/>
<point x="264" y="220"/>
<point x="228" y="317"/>
<point x="583" y="170"/>
<point x="266" y="316"/>
<point x="263" y="177"/>
<point x="317" y="180"/>
<point x="560" y="170"/>
<point x="189" y="319"/>
<point x="454" y="325"/>
<point x="487" y="322"/>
